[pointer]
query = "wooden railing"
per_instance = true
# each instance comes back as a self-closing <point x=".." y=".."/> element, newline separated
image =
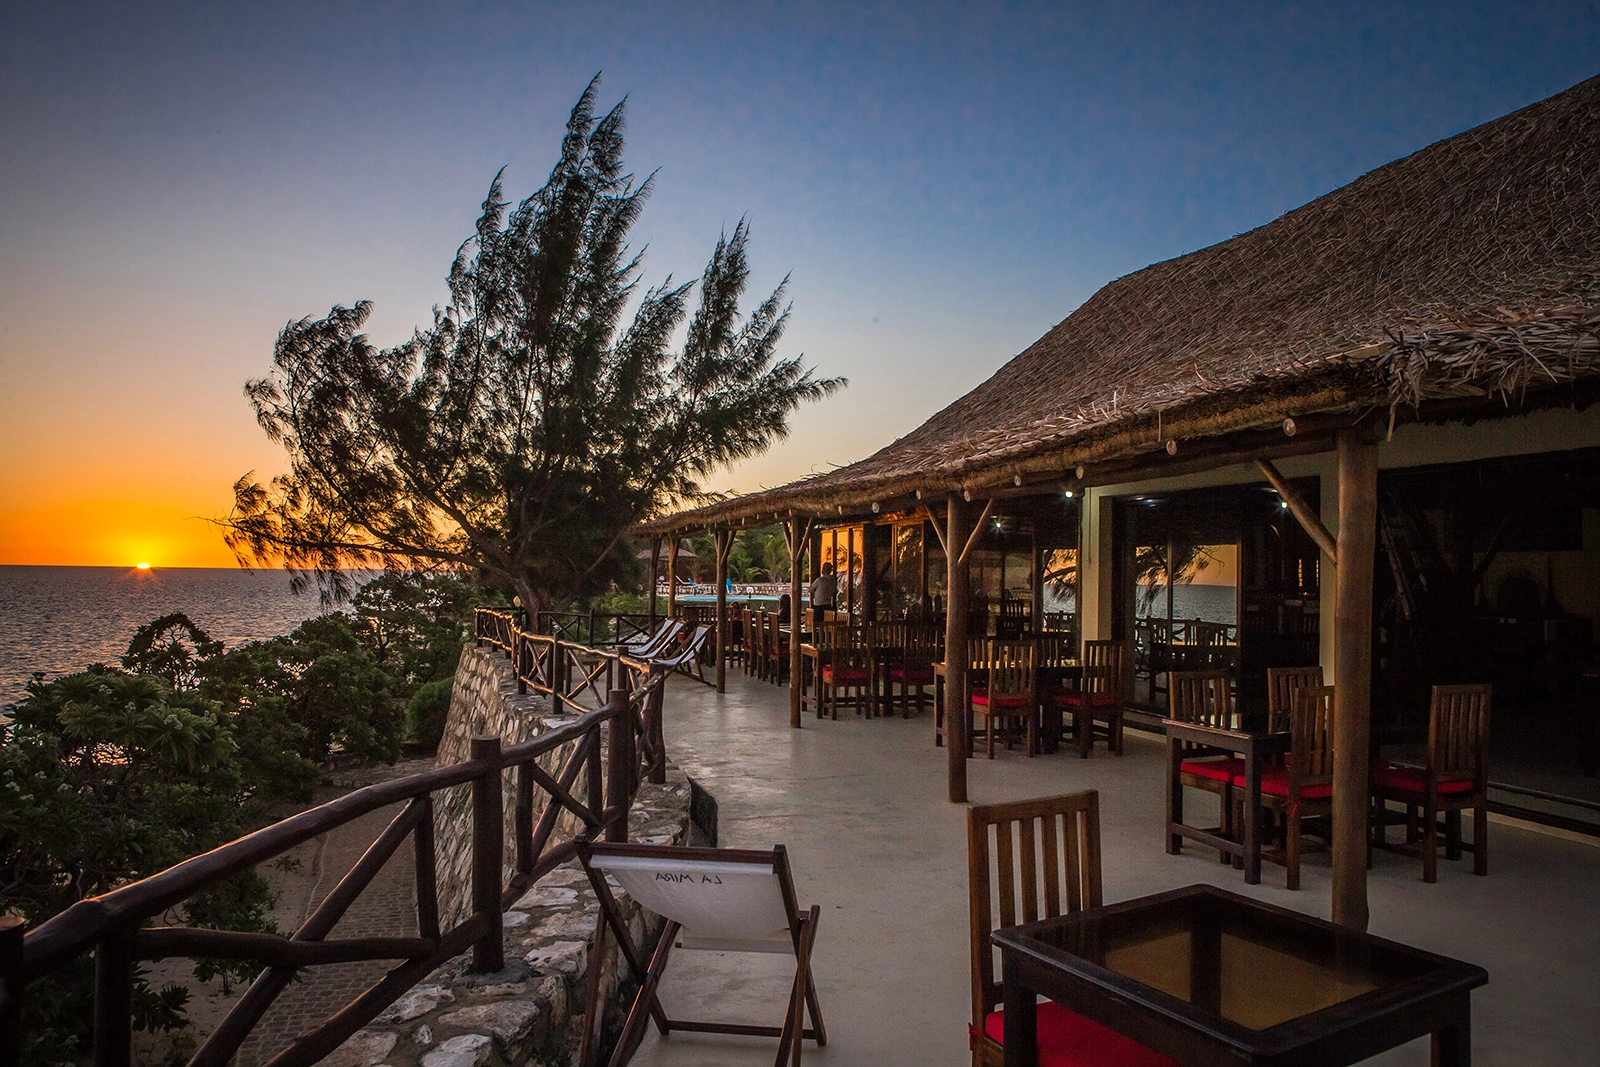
<point x="616" y="738"/>
<point x="593" y="627"/>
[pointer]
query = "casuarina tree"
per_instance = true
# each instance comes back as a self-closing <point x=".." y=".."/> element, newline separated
<point x="534" y="423"/>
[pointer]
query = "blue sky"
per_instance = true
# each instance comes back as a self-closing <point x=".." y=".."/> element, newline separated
<point x="944" y="182"/>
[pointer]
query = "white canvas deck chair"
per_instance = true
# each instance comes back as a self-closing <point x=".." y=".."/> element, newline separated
<point x="721" y="899"/>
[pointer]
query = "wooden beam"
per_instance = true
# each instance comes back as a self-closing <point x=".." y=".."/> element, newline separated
<point x="655" y="574"/>
<point x="672" y="576"/>
<point x="955" y="652"/>
<point x="938" y="530"/>
<point x="724" y="542"/>
<point x="1309" y="520"/>
<point x="799" y="540"/>
<point x="1352" y="702"/>
<point x="977" y="528"/>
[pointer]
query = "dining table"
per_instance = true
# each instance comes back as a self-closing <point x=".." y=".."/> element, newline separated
<point x="1207" y="976"/>
<point x="1257" y="747"/>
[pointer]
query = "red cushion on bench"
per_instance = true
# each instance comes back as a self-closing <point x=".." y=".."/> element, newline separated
<point x="1218" y="770"/>
<point x="912" y="675"/>
<point x="981" y="698"/>
<point x="1067" y="1039"/>
<point x="1413" y="780"/>
<point x="1071" y="698"/>
<point x="845" y="675"/>
<point x="1275" y="782"/>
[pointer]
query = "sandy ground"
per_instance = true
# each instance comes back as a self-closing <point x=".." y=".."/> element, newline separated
<point x="301" y="878"/>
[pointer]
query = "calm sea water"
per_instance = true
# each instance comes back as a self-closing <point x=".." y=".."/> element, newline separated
<point x="61" y="619"/>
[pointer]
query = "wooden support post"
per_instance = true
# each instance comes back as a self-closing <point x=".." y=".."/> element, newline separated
<point x="488" y="849"/>
<point x="798" y="537"/>
<point x="113" y="1000"/>
<point x="621" y="766"/>
<point x="724" y="543"/>
<point x="11" y="927"/>
<point x="1352" y="642"/>
<point x="672" y="577"/>
<point x="955" y="648"/>
<point x="655" y="576"/>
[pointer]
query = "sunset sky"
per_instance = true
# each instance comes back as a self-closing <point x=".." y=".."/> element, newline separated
<point x="944" y="182"/>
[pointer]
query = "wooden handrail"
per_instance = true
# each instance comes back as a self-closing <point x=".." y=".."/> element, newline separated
<point x="111" y="923"/>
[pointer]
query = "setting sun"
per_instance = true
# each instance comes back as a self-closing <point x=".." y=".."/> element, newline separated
<point x="142" y="566"/>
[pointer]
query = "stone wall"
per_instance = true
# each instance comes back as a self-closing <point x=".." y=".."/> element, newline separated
<point x="484" y="701"/>
<point x="531" y="1013"/>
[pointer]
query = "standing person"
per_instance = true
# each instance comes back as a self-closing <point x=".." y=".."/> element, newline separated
<point x="823" y="591"/>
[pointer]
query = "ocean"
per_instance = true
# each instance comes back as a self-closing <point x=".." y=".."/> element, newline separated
<point x="61" y="619"/>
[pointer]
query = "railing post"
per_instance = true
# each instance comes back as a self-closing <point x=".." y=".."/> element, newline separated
<point x="621" y="766"/>
<point x="488" y="851"/>
<point x="594" y="769"/>
<point x="652" y="723"/>
<point x="523" y="818"/>
<point x="11" y="989"/>
<point x="113" y="1000"/>
<point x="517" y="667"/>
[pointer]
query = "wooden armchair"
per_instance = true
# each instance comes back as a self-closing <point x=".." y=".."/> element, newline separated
<point x="1098" y="697"/>
<point x="1454" y="778"/>
<point x="1011" y="849"/>
<point x="1302" y="788"/>
<point x="1007" y="700"/>
<point x="1203" y="697"/>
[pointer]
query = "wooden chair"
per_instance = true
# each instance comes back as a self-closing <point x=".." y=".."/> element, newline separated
<point x="718" y="899"/>
<point x="751" y="642"/>
<point x="1007" y="698"/>
<point x="777" y="649"/>
<point x="1098" y="696"/>
<point x="1302" y="788"/>
<point x="919" y="652"/>
<point x="1056" y="841"/>
<point x="1204" y="697"/>
<point x="689" y="656"/>
<point x="843" y="663"/>
<point x="1282" y="684"/>
<point x="1454" y="777"/>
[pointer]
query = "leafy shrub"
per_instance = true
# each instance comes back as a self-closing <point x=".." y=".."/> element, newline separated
<point x="426" y="714"/>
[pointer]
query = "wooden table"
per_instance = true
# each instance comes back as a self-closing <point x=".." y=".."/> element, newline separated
<point x="1210" y="977"/>
<point x="1256" y="748"/>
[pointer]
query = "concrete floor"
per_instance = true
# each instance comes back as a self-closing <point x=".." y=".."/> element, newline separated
<point x="861" y="806"/>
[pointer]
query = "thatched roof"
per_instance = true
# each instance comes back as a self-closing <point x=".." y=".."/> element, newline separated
<point x="1469" y="268"/>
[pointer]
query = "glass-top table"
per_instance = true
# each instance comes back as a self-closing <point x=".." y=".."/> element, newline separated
<point x="1204" y="975"/>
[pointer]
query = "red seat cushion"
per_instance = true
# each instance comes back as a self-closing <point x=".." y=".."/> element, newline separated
<point x="1218" y="770"/>
<point x="1067" y="1039"/>
<point x="912" y="675"/>
<point x="1413" y="780"/>
<point x="981" y="698"/>
<point x="1275" y="782"/>
<point x="845" y="675"/>
<point x="1071" y="698"/>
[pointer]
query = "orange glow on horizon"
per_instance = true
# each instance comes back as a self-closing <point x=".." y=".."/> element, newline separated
<point x="114" y="533"/>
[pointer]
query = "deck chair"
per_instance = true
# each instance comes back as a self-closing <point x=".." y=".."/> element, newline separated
<point x="719" y="899"/>
<point x="1053" y="841"/>
<point x="656" y="643"/>
<point x="686" y="657"/>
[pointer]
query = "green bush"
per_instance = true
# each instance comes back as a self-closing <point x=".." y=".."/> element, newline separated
<point x="426" y="714"/>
